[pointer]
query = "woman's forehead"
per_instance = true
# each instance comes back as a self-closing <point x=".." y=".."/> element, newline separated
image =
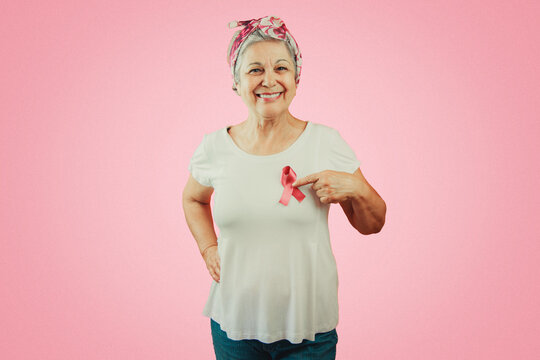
<point x="263" y="50"/>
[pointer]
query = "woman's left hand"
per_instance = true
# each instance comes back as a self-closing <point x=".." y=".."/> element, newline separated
<point x="332" y="186"/>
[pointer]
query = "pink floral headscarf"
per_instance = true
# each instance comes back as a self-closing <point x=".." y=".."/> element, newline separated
<point x="270" y="25"/>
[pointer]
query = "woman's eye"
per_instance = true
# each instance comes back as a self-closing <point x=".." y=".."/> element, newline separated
<point x="259" y="70"/>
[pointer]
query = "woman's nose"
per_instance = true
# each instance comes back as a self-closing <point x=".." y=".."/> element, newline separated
<point x="269" y="79"/>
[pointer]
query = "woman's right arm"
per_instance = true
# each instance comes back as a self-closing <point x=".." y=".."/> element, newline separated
<point x="196" y="203"/>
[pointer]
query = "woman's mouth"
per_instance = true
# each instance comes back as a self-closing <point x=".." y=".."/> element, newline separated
<point x="269" y="97"/>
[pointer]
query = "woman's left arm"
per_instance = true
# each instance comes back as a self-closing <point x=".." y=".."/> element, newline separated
<point x="364" y="207"/>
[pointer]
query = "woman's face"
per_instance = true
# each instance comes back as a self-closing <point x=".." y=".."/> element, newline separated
<point x="267" y="68"/>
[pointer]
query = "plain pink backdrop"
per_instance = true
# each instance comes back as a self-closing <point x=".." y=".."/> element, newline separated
<point x="102" y="104"/>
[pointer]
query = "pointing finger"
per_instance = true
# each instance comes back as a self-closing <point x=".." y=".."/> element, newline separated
<point x="306" y="180"/>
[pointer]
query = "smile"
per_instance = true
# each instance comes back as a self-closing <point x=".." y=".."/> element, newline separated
<point x="269" y="96"/>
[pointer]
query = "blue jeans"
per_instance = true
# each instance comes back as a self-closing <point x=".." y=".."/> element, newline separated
<point x="323" y="348"/>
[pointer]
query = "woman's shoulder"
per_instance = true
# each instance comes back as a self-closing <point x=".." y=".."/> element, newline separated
<point x="216" y="134"/>
<point x="214" y="140"/>
<point x="323" y="129"/>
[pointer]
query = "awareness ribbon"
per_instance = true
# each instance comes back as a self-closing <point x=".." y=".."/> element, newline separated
<point x="288" y="176"/>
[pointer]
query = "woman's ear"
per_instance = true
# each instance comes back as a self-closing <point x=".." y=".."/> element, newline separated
<point x="235" y="88"/>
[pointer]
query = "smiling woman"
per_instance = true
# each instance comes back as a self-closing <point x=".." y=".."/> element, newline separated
<point x="274" y="293"/>
<point x="236" y="50"/>
<point x="267" y="82"/>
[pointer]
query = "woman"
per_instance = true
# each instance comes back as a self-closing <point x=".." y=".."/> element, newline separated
<point x="275" y="284"/>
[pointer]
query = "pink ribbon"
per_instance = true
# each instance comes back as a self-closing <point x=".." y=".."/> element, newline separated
<point x="288" y="176"/>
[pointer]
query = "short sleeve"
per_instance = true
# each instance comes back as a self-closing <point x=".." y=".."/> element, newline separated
<point x="200" y="165"/>
<point x="341" y="156"/>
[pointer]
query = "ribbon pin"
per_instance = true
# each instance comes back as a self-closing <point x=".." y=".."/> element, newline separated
<point x="288" y="176"/>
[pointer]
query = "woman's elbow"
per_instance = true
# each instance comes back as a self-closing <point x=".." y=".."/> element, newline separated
<point x="382" y="219"/>
<point x="376" y="226"/>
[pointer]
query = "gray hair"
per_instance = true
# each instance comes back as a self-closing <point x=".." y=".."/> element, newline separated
<point x="255" y="37"/>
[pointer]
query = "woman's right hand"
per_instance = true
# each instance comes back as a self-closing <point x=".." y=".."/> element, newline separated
<point x="212" y="260"/>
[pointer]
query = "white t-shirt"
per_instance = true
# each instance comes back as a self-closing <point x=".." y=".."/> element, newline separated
<point x="278" y="272"/>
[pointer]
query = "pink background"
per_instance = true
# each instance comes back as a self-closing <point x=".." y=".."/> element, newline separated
<point x="102" y="105"/>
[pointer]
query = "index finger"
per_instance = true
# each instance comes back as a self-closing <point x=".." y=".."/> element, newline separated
<point x="306" y="180"/>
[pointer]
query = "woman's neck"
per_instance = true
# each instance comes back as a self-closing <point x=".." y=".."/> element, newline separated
<point x="268" y="137"/>
<point x="264" y="127"/>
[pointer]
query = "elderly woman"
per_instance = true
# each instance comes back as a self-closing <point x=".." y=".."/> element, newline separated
<point x="275" y="287"/>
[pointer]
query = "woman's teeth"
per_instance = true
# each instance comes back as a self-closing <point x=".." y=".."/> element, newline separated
<point x="268" y="96"/>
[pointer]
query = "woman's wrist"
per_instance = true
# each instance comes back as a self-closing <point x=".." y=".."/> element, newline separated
<point x="206" y="248"/>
